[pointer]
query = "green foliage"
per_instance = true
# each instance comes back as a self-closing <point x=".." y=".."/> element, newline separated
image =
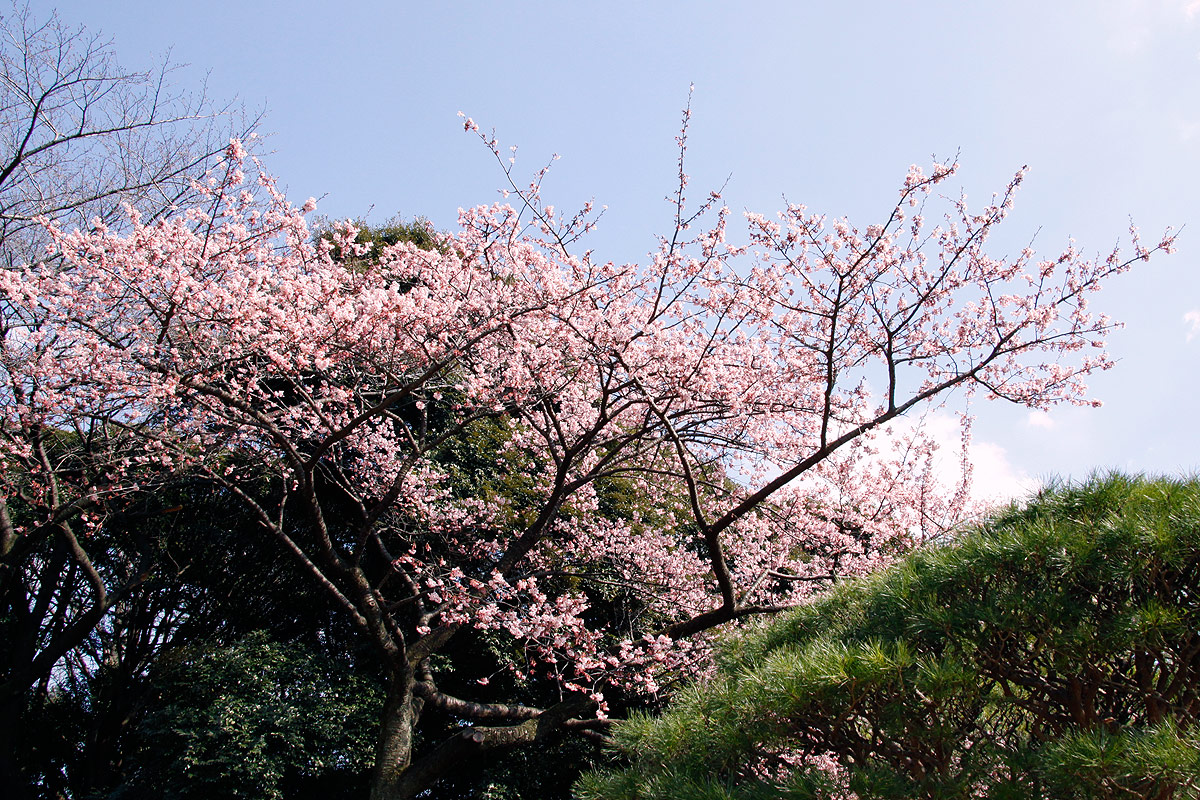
<point x="418" y="231"/>
<point x="256" y="719"/>
<point x="1054" y="652"/>
<point x="1140" y="763"/>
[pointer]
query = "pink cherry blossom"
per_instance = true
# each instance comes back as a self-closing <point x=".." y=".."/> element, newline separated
<point x="745" y="394"/>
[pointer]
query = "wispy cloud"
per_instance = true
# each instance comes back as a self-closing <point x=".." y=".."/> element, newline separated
<point x="995" y="479"/>
<point x="1039" y="419"/>
<point x="1192" y="319"/>
<point x="1134" y="24"/>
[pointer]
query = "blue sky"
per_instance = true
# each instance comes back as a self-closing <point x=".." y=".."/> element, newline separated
<point x="824" y="103"/>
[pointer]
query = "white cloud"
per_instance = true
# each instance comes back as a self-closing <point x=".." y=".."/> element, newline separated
<point x="1133" y="25"/>
<point x="1192" y="320"/>
<point x="1039" y="419"/>
<point x="994" y="478"/>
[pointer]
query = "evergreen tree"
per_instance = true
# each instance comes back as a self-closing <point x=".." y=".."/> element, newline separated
<point x="1054" y="652"/>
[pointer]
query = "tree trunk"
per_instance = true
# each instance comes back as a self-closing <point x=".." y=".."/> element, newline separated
<point x="393" y="750"/>
<point x="398" y="778"/>
<point x="11" y="777"/>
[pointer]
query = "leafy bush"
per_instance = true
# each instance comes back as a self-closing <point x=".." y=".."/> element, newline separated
<point x="256" y="719"/>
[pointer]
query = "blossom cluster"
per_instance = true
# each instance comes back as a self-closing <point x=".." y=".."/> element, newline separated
<point x="743" y="394"/>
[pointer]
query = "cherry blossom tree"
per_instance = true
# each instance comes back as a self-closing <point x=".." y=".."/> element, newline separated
<point x="79" y="136"/>
<point x="744" y="395"/>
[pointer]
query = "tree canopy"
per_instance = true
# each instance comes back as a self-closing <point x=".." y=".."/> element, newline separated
<point x="528" y="484"/>
<point x="81" y="137"/>
<point x="726" y="387"/>
<point x="1053" y="652"/>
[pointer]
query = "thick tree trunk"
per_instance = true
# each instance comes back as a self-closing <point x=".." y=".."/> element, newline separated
<point x="393" y="750"/>
<point x="12" y="780"/>
<point x="398" y="778"/>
